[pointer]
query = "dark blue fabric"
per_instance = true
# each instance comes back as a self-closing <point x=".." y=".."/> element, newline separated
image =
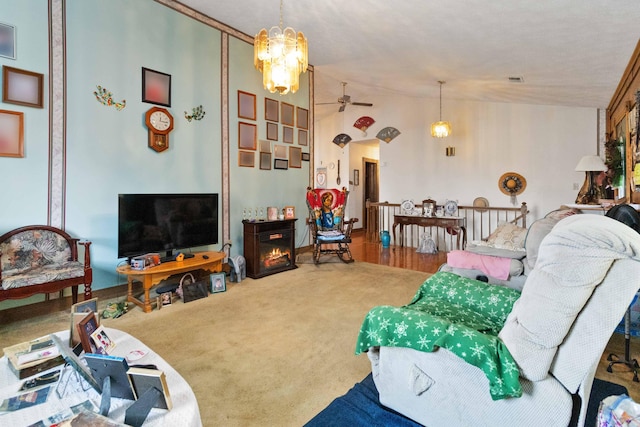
<point x="361" y="407"/>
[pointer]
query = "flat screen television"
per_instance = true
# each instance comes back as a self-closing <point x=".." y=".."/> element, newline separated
<point x="164" y="223"/>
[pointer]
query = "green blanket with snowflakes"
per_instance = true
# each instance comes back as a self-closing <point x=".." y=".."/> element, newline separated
<point x="459" y="314"/>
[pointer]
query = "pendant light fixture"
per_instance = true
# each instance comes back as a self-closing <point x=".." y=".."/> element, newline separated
<point x="440" y="129"/>
<point x="280" y="55"/>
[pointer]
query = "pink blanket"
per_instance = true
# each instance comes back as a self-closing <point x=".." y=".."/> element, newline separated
<point x="493" y="266"/>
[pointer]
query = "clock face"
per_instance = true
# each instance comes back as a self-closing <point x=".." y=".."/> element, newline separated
<point x="160" y="120"/>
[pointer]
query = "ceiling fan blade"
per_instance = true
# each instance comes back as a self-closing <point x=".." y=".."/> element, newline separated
<point x="328" y="103"/>
<point x="341" y="109"/>
<point x="363" y="104"/>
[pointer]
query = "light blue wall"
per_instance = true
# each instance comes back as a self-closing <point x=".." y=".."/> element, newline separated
<point x="108" y="43"/>
<point x="25" y="180"/>
<point x="252" y="187"/>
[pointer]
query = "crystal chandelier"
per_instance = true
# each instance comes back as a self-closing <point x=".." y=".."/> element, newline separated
<point x="440" y="129"/>
<point x="280" y="55"/>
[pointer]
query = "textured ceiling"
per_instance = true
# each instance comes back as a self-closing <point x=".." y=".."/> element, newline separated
<point x="569" y="52"/>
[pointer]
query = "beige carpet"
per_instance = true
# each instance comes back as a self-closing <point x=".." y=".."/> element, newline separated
<point x="267" y="352"/>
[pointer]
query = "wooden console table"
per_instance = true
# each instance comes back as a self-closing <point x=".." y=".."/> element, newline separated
<point x="453" y="222"/>
<point x="154" y="275"/>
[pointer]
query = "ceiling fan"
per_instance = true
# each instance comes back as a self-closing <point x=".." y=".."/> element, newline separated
<point x="346" y="99"/>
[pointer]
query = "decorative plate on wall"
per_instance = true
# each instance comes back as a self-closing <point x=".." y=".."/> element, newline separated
<point x="341" y="140"/>
<point x="363" y="123"/>
<point x="387" y="134"/>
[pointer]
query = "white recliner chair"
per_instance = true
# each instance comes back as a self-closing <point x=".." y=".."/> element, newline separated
<point x="587" y="273"/>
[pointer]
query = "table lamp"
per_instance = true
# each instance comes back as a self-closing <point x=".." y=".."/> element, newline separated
<point x="592" y="166"/>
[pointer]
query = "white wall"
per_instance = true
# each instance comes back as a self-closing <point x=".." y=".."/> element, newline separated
<point x="542" y="143"/>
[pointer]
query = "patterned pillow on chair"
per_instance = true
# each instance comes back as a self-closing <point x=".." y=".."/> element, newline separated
<point x="327" y="207"/>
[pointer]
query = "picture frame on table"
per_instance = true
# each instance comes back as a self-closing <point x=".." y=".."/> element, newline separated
<point x="143" y="379"/>
<point x="72" y="359"/>
<point x="156" y="87"/>
<point x="271" y="112"/>
<point x="289" y="212"/>
<point x="218" y="282"/>
<point x="22" y="87"/>
<point x="272" y="131"/>
<point x="7" y="40"/>
<point x="246" y="105"/>
<point x="295" y="157"/>
<point x="286" y="114"/>
<point x="265" y="161"/>
<point x="11" y="133"/>
<point x="87" y="306"/>
<point x="86" y="327"/>
<point x="104" y="344"/>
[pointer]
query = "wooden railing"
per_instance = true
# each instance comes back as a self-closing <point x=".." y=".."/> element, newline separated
<point x="480" y="223"/>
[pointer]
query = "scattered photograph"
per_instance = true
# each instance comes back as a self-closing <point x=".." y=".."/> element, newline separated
<point x="218" y="282"/>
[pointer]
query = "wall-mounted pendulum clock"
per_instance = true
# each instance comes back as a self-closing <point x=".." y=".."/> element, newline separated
<point x="160" y="123"/>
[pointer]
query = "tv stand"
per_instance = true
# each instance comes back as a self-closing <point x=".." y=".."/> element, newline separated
<point x="154" y="275"/>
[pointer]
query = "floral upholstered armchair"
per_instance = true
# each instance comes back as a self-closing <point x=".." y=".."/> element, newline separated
<point x="331" y="233"/>
<point x="42" y="259"/>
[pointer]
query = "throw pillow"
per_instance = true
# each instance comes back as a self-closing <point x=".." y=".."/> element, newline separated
<point x="508" y="236"/>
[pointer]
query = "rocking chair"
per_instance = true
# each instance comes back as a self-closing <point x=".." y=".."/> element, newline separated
<point x="330" y="232"/>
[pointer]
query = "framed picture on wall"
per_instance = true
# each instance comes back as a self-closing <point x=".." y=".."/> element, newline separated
<point x="287" y="134"/>
<point x="302" y="137"/>
<point x="280" y="164"/>
<point x="156" y="87"/>
<point x="302" y="116"/>
<point x="247" y="136"/>
<point x="246" y="105"/>
<point x="306" y="157"/>
<point x="11" y="133"/>
<point x="22" y="87"/>
<point x="272" y="131"/>
<point x="265" y="146"/>
<point x="265" y="161"/>
<point x="286" y="111"/>
<point x="280" y="151"/>
<point x="271" y="112"/>
<point x="7" y="41"/>
<point x="295" y="157"/>
<point x="246" y="158"/>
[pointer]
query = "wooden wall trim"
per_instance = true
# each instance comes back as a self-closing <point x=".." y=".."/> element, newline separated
<point x="623" y="98"/>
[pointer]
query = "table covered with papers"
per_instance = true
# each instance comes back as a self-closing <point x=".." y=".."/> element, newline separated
<point x="185" y="411"/>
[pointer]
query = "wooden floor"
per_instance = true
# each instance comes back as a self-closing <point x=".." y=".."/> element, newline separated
<point x="395" y="256"/>
<point x="410" y="259"/>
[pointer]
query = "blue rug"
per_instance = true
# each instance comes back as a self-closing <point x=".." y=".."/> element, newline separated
<point x="361" y="407"/>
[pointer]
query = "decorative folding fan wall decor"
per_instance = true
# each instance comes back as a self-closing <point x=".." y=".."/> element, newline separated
<point x="363" y="123"/>
<point x="387" y="134"/>
<point x="341" y="140"/>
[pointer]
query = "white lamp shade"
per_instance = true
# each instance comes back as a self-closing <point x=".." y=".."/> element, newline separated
<point x="591" y="163"/>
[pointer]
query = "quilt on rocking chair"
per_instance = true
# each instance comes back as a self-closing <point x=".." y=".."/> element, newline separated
<point x="326" y="219"/>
